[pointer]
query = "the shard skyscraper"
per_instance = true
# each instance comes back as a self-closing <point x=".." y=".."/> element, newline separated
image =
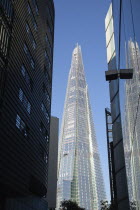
<point x="79" y="170"/>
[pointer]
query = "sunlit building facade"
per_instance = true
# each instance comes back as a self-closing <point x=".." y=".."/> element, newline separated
<point x="79" y="171"/>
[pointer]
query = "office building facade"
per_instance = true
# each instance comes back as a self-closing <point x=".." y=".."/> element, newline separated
<point x="26" y="59"/>
<point x="124" y="94"/>
<point x="79" y="171"/>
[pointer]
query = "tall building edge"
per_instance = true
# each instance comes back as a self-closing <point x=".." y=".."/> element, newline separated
<point x="26" y="61"/>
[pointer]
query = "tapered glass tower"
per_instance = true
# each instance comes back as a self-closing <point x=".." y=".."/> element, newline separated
<point x="79" y="171"/>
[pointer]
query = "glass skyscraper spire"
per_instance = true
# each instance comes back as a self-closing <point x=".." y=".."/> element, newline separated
<point x="79" y="170"/>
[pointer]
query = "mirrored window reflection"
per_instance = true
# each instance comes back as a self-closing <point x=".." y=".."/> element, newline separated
<point x="20" y="124"/>
<point x="4" y="38"/>
<point x="26" y="77"/>
<point x="46" y="114"/>
<point x="44" y="132"/>
<point x="36" y="7"/>
<point x="48" y="64"/>
<point x="31" y="37"/>
<point x="129" y="94"/>
<point x="46" y="93"/>
<point x="24" y="101"/>
<point x="29" y="56"/>
<point x="32" y="17"/>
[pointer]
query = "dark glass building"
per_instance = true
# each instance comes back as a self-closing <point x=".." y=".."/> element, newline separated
<point x="26" y="60"/>
<point x="123" y="55"/>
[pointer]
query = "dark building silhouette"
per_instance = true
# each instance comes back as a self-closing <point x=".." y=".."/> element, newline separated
<point x="26" y="60"/>
<point x="52" y="172"/>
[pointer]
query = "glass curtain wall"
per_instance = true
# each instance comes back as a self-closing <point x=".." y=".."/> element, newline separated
<point x="112" y="45"/>
<point x="128" y="56"/>
<point x="79" y="170"/>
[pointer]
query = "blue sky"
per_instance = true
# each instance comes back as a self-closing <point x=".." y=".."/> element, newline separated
<point x="82" y="22"/>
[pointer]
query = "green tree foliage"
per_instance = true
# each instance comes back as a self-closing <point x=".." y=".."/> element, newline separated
<point x="70" y="205"/>
<point x="132" y="205"/>
<point x="106" y="206"/>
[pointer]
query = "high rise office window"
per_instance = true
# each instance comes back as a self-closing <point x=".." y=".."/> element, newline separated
<point x="47" y="75"/>
<point x="4" y="38"/>
<point x="49" y="27"/>
<point x="24" y="101"/>
<point x="20" y="124"/>
<point x="26" y="76"/>
<point x="32" y="63"/>
<point x="35" y="25"/>
<point x="26" y="50"/>
<point x="44" y="110"/>
<point x="43" y="130"/>
<point x="49" y="13"/>
<point x="46" y="56"/>
<point x="48" y="43"/>
<point x="27" y="28"/>
<point x="36" y="7"/>
<point x="48" y="98"/>
<point x="29" y="8"/>
<point x="46" y="136"/>
<point x="46" y="38"/>
<point x="46" y="93"/>
<point x="46" y="158"/>
<point x="31" y="37"/>
<point x="48" y="84"/>
<point x="43" y="153"/>
<point x="50" y="22"/>
<point x="48" y="64"/>
<point x="32" y="16"/>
